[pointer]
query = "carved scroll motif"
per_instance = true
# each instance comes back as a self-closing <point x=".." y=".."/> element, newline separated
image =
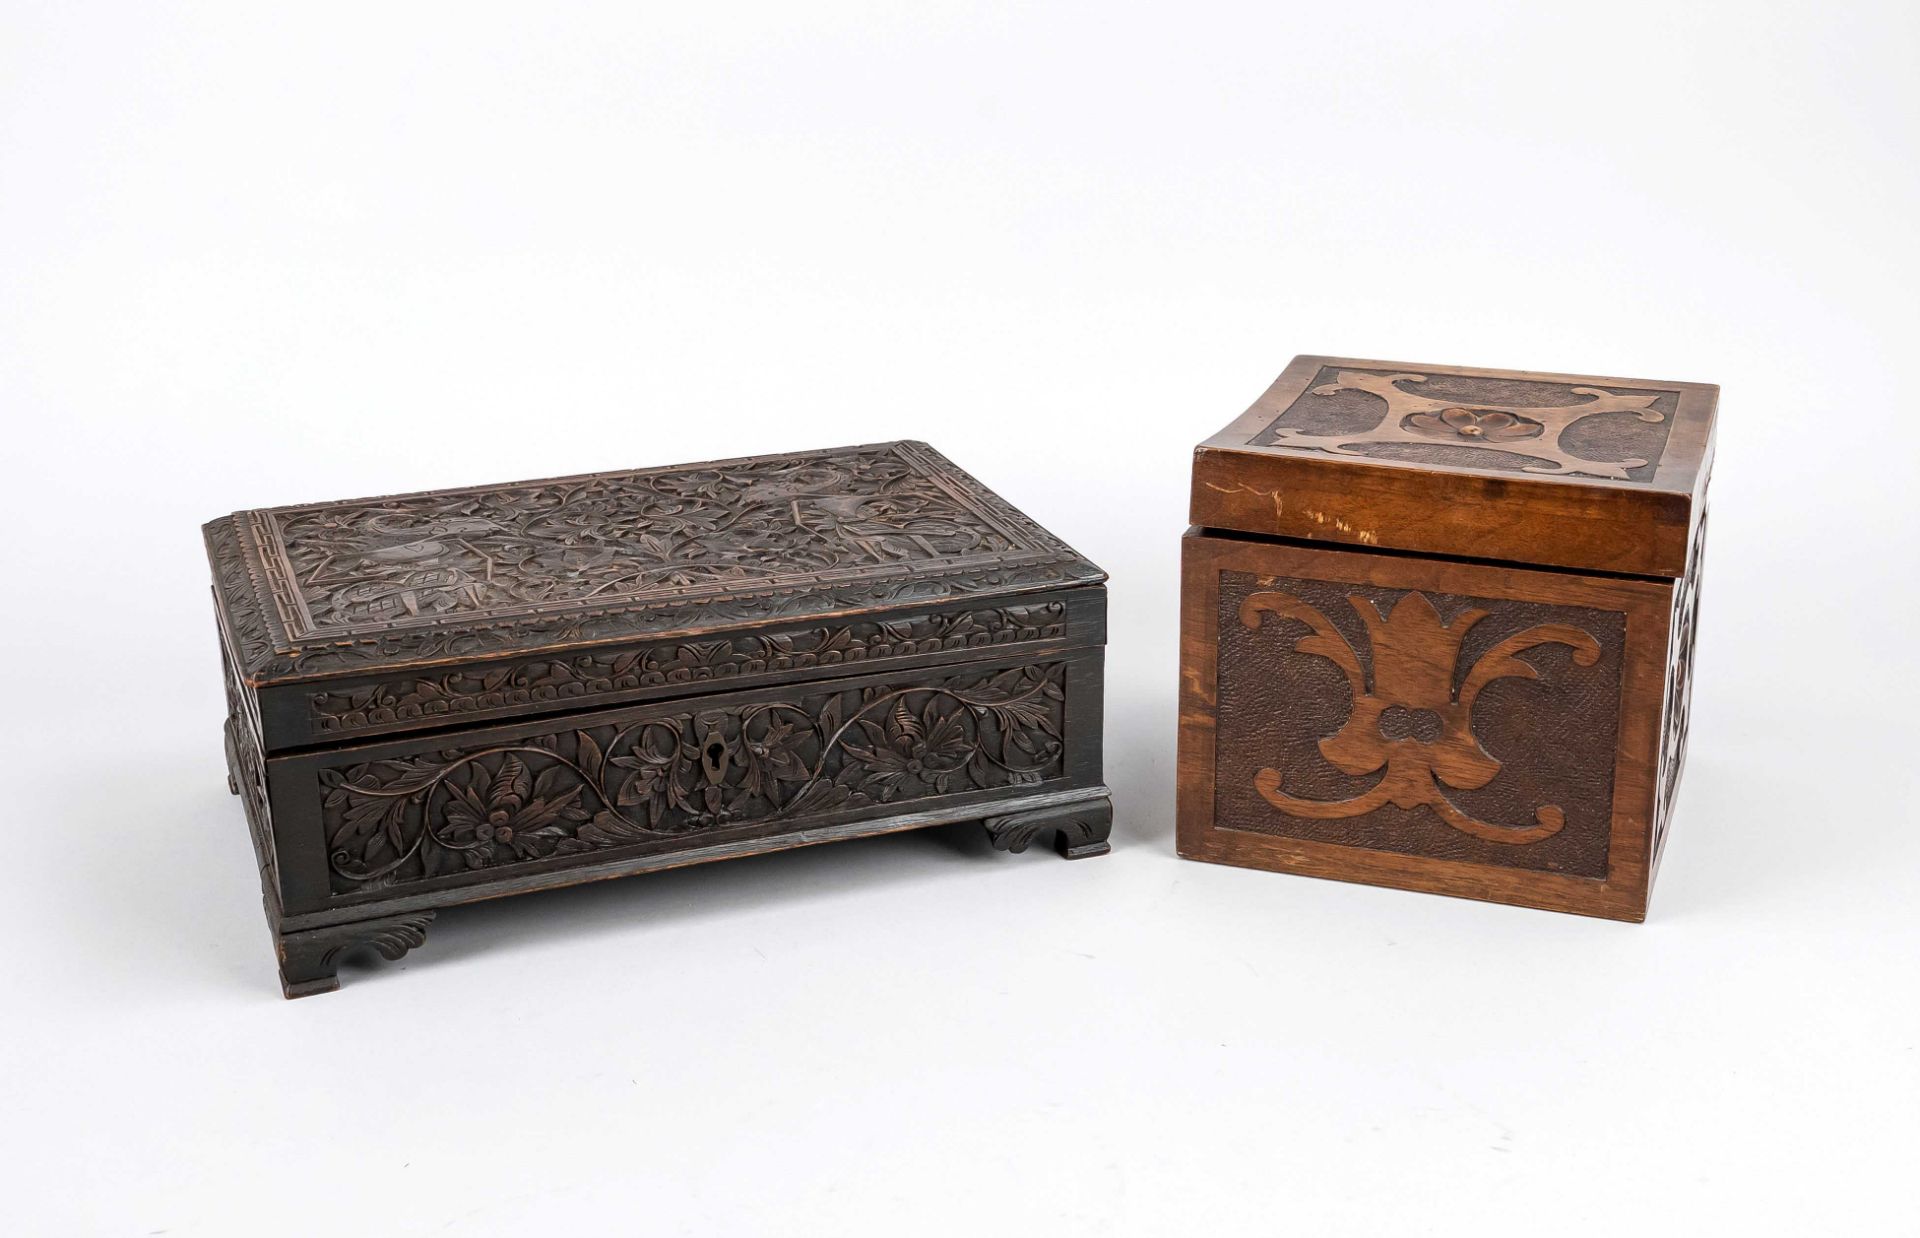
<point x="1411" y="723"/>
<point x="1533" y="431"/>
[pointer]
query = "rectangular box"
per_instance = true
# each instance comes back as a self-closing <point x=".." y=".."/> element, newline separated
<point x="455" y="695"/>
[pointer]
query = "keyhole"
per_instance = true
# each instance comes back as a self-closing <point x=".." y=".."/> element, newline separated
<point x="715" y="757"/>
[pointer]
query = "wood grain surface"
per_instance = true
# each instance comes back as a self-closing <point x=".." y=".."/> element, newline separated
<point x="1576" y="471"/>
<point x="1406" y="827"/>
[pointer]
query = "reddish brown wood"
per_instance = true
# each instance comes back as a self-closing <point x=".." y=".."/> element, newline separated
<point x="1404" y="713"/>
<point x="1408" y="478"/>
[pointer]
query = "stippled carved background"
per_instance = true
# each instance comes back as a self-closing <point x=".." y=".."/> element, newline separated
<point x="1463" y="421"/>
<point x="1553" y="736"/>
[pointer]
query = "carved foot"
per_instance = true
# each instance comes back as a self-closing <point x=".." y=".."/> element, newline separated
<point x="310" y="960"/>
<point x="1083" y="829"/>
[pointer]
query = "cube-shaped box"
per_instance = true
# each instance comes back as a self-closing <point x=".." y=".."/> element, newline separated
<point x="460" y="694"/>
<point x="1437" y="629"/>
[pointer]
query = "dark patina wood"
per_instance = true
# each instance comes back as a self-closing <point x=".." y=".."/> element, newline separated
<point x="1437" y="630"/>
<point x="462" y="694"/>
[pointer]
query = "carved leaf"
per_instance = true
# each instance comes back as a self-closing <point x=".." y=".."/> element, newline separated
<point x="401" y="777"/>
<point x="511" y="783"/>
<point x="1022" y="715"/>
<point x="591" y="758"/>
<point x="396" y="819"/>
<point x="635" y="789"/>
<point x="544" y="812"/>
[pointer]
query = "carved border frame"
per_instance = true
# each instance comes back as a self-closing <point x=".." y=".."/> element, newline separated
<point x="336" y="710"/>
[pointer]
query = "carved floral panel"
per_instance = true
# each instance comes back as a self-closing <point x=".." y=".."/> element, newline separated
<point x="1468" y="728"/>
<point x="670" y="775"/>
<point x="374" y="584"/>
<point x="616" y="536"/>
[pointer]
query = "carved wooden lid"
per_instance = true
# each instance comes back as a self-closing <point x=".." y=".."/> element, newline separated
<point x="444" y="576"/>
<point x="1601" y="474"/>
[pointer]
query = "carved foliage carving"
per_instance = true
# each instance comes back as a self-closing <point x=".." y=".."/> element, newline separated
<point x="584" y="676"/>
<point x="616" y="536"/>
<point x="670" y="775"/>
<point x="473" y="573"/>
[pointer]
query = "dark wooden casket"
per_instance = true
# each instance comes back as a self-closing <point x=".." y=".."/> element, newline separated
<point x="449" y="696"/>
<point x="1437" y="630"/>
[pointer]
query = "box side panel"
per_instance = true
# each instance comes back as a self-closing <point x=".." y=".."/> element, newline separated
<point x="342" y="710"/>
<point x="246" y="758"/>
<point x="1677" y="708"/>
<point x="427" y="820"/>
<point x="1459" y="728"/>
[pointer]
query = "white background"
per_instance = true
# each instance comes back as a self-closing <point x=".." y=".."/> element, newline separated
<point x="272" y="253"/>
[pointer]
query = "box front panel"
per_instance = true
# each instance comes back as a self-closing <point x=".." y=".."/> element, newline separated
<point x="1418" y="722"/>
<point x="1470" y="728"/>
<point x="492" y="805"/>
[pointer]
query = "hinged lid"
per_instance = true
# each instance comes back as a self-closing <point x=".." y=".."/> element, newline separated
<point x="446" y="577"/>
<point x="1599" y="474"/>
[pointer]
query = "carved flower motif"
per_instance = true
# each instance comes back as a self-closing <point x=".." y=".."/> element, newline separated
<point x="649" y="770"/>
<point x="774" y="758"/>
<point x="931" y="750"/>
<point x="510" y="810"/>
<point x="1478" y="424"/>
